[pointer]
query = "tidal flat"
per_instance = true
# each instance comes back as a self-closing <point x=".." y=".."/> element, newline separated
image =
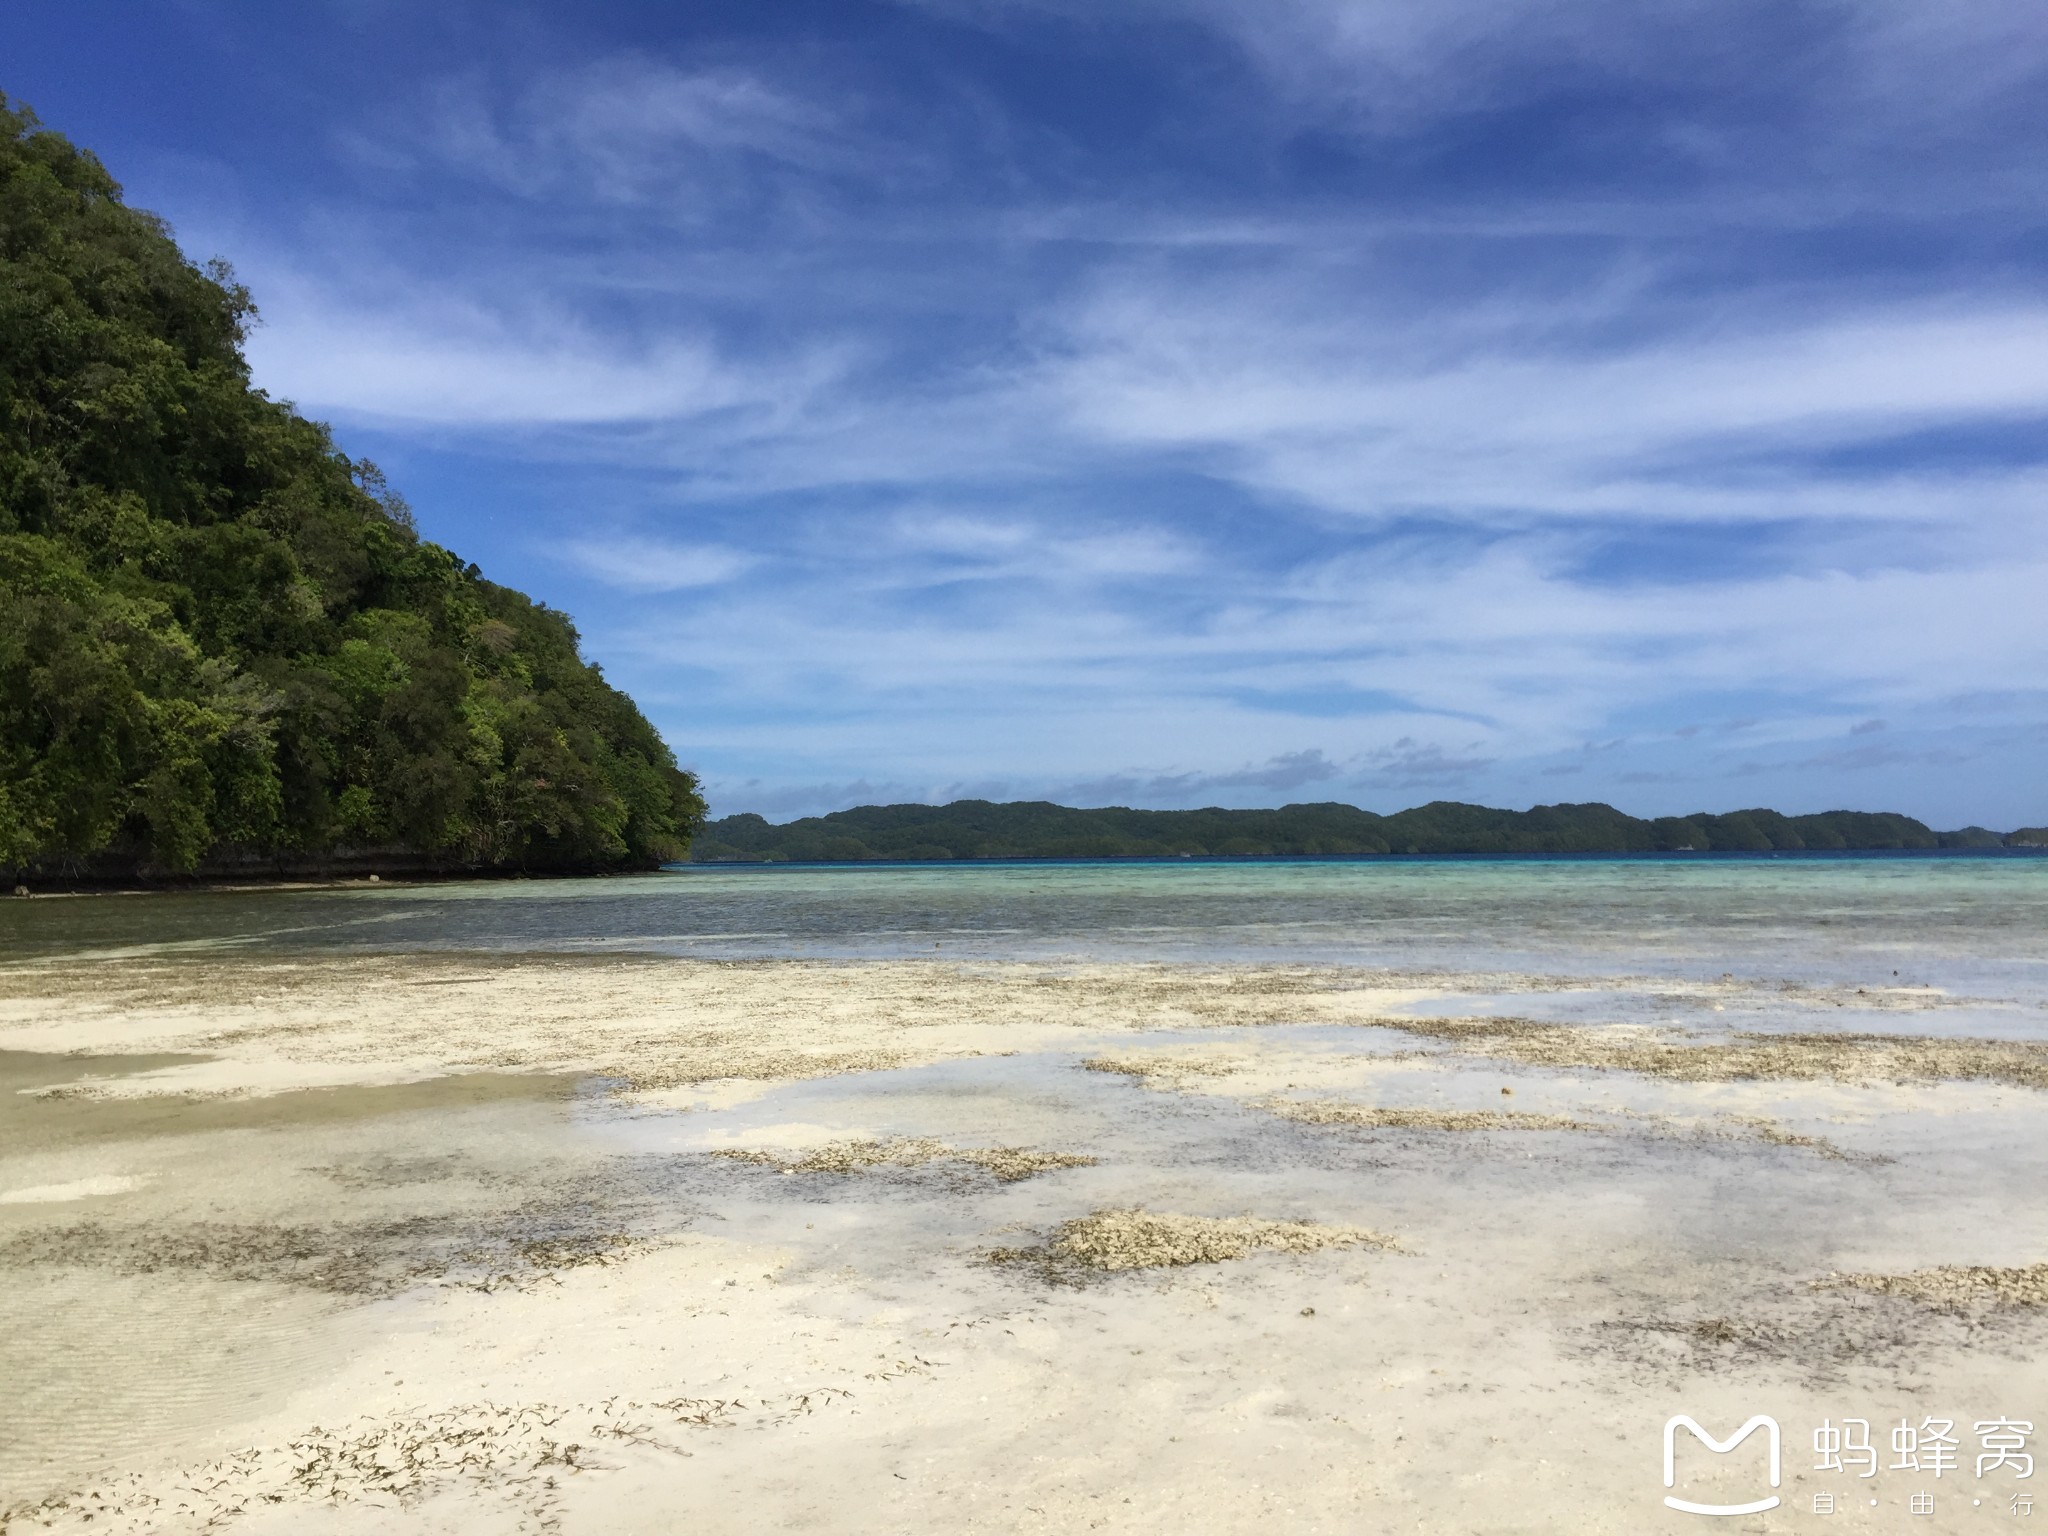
<point x="1211" y="1199"/>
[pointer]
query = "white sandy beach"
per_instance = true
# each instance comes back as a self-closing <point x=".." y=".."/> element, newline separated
<point x="421" y="1243"/>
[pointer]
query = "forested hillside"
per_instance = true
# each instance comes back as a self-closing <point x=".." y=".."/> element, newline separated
<point x="222" y="642"/>
<point x="981" y="829"/>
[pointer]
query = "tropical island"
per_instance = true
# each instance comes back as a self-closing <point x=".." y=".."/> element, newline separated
<point x="224" y="647"/>
<point x="1036" y="829"/>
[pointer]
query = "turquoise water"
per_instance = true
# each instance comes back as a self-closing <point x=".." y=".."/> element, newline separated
<point x="1944" y="921"/>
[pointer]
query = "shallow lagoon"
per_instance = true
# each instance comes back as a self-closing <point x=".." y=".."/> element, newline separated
<point x="1793" y="911"/>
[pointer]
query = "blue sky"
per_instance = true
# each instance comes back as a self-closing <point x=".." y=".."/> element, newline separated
<point x="1177" y="402"/>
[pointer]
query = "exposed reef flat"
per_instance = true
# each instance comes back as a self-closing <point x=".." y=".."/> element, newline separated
<point x="488" y="1241"/>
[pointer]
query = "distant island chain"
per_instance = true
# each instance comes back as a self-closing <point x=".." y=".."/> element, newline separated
<point x="1036" y="829"/>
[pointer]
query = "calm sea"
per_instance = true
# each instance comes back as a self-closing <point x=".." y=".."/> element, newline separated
<point x="1948" y="921"/>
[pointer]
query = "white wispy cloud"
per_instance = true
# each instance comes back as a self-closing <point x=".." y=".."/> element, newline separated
<point x="949" y="546"/>
<point x="989" y="455"/>
<point x="649" y="565"/>
<point x="433" y="354"/>
<point x="621" y="129"/>
<point x="1363" y="415"/>
<point x="1487" y="664"/>
<point x="1845" y="78"/>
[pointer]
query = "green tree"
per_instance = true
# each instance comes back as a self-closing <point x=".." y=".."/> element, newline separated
<point x="222" y="639"/>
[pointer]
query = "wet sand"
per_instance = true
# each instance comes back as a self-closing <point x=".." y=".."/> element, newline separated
<point x="479" y="1243"/>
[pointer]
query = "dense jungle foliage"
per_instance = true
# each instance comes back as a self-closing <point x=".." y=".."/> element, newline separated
<point x="222" y="642"/>
<point x="1034" y="829"/>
